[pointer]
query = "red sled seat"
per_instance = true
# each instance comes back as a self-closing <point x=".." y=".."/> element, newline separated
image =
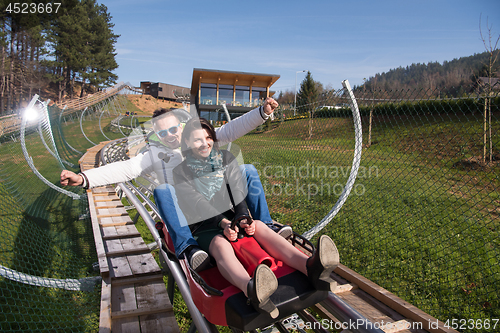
<point x="223" y="304"/>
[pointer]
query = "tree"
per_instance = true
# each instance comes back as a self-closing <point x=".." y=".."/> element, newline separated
<point x="101" y="47"/>
<point x="307" y="98"/>
<point x="73" y="42"/>
<point x="493" y="51"/>
<point x="21" y="43"/>
<point x="82" y="43"/>
<point x="286" y="97"/>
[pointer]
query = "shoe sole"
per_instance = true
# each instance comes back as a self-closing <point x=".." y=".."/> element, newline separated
<point x="329" y="258"/>
<point x="200" y="261"/>
<point x="328" y="253"/>
<point x="285" y="232"/>
<point x="266" y="284"/>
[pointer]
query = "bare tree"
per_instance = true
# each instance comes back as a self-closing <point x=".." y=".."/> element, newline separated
<point x="491" y="47"/>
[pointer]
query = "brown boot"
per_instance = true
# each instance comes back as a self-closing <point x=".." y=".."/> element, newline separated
<point x="260" y="288"/>
<point x="322" y="264"/>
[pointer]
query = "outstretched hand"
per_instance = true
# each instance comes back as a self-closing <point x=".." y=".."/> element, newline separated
<point x="269" y="105"/>
<point x="70" y="178"/>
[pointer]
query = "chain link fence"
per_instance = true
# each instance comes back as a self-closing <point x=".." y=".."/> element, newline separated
<point x="422" y="219"/>
<point x="47" y="279"/>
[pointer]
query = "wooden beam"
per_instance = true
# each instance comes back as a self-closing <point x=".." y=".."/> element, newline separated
<point x="99" y="243"/>
<point x="105" y="315"/>
<point x="141" y="279"/>
<point x="199" y="92"/>
<point x="141" y="312"/>
<point x="127" y="252"/>
<point x="119" y="236"/>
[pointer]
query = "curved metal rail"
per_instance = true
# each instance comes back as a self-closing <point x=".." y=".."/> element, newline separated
<point x="354" y="169"/>
<point x="81" y="127"/>
<point x="62" y="134"/>
<point x="29" y="160"/>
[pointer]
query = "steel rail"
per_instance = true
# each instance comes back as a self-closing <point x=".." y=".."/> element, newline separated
<point x="354" y="169"/>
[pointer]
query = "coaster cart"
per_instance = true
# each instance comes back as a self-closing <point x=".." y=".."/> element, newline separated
<point x="225" y="305"/>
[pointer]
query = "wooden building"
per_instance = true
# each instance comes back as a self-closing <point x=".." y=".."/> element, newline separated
<point x="239" y="91"/>
<point x="164" y="90"/>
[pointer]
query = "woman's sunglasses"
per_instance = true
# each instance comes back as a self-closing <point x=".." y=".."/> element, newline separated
<point x="172" y="130"/>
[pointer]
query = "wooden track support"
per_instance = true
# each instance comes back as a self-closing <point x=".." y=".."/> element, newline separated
<point x="382" y="308"/>
<point x="133" y="295"/>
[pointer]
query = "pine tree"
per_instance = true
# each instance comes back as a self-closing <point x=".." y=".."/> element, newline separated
<point x="68" y="37"/>
<point x="101" y="46"/>
<point x="308" y="94"/>
<point x="307" y="99"/>
<point x="82" y="41"/>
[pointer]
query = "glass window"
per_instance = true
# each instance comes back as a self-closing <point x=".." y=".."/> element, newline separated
<point x="258" y="94"/>
<point x="208" y="94"/>
<point x="242" y="96"/>
<point x="225" y="94"/>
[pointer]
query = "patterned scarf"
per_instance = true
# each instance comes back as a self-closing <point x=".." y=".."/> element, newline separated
<point x="210" y="172"/>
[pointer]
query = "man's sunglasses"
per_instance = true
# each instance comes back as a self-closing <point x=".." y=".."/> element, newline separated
<point x="172" y="130"/>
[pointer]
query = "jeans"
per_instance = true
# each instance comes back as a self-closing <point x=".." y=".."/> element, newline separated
<point x="176" y="222"/>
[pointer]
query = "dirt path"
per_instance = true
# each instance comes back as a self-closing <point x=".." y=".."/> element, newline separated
<point x="147" y="104"/>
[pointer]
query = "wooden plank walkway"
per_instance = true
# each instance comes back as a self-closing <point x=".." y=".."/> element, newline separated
<point x="134" y="297"/>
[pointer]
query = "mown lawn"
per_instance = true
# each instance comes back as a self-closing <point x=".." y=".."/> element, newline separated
<point x="415" y="223"/>
<point x="46" y="234"/>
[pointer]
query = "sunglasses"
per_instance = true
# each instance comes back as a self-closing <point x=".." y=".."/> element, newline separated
<point x="172" y="130"/>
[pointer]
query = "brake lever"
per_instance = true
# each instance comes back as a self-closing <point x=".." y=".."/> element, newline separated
<point x="241" y="231"/>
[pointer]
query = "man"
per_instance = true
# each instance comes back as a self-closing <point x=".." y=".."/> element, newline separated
<point x="162" y="159"/>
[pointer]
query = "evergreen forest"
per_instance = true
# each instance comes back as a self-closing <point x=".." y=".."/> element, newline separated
<point x="57" y="50"/>
<point x="453" y="77"/>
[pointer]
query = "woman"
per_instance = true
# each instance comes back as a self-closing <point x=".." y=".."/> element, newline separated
<point x="208" y="202"/>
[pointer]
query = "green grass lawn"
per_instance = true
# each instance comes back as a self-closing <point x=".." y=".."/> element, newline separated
<point x="46" y="234"/>
<point x="414" y="223"/>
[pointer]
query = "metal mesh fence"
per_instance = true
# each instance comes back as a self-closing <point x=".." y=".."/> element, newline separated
<point x="422" y="219"/>
<point x="47" y="280"/>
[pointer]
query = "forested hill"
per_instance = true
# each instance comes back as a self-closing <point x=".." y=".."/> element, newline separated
<point x="446" y="77"/>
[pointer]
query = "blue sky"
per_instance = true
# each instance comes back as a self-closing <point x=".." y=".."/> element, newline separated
<point x="163" y="40"/>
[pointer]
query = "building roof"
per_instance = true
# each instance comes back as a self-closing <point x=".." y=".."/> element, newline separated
<point x="230" y="77"/>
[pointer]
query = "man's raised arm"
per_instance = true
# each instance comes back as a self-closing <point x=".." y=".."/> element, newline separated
<point x="242" y="125"/>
